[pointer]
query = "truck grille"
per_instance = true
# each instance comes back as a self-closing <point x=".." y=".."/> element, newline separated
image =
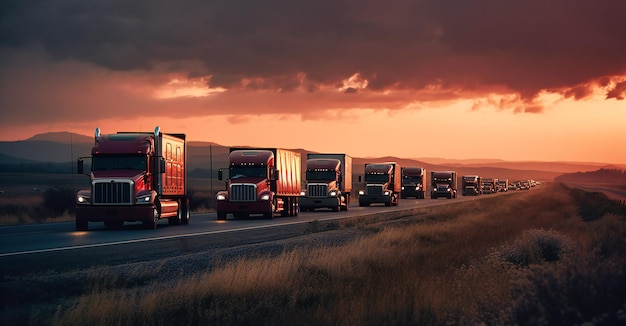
<point x="318" y="190"/>
<point x="243" y="192"/>
<point x="374" y="190"/>
<point x="117" y="192"/>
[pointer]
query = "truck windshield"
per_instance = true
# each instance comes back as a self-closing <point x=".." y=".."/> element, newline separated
<point x="248" y="171"/>
<point x="377" y="178"/>
<point x="321" y="175"/>
<point x="135" y="162"/>
<point x="409" y="179"/>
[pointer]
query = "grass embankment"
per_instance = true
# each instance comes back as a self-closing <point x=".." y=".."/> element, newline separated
<point x="548" y="256"/>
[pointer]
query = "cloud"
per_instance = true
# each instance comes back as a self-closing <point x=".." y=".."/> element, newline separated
<point x="301" y="56"/>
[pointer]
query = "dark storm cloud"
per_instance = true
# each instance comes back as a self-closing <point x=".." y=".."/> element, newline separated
<point x="523" y="46"/>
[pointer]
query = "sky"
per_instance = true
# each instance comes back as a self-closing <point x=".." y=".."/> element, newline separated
<point x="530" y="80"/>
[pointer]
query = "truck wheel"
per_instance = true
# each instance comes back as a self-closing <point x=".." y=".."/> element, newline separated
<point x="221" y="216"/>
<point x="152" y="224"/>
<point x="81" y="225"/>
<point x="186" y="213"/>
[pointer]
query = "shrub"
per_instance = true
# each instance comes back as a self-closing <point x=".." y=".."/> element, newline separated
<point x="535" y="247"/>
<point x="57" y="201"/>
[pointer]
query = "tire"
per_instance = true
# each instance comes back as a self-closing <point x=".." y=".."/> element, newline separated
<point x="178" y="219"/>
<point x="186" y="214"/>
<point x="152" y="224"/>
<point x="81" y="225"/>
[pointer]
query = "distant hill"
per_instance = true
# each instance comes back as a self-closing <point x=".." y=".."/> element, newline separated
<point x="61" y="137"/>
<point x="60" y="149"/>
<point x="606" y="176"/>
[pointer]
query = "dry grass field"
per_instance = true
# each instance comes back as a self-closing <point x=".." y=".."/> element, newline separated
<point x="550" y="256"/>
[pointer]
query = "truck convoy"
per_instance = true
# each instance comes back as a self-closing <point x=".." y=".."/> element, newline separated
<point x="471" y="185"/>
<point x="443" y="184"/>
<point x="328" y="182"/>
<point x="382" y="184"/>
<point x="135" y="176"/>
<point x="413" y="182"/>
<point x="263" y="181"/>
<point x="503" y="184"/>
<point x="489" y="185"/>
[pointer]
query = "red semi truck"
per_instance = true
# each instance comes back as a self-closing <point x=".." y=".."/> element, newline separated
<point x="135" y="176"/>
<point x="471" y="185"/>
<point x="263" y="181"/>
<point x="443" y="184"/>
<point x="382" y="184"/>
<point x="413" y="182"/>
<point x="328" y="182"/>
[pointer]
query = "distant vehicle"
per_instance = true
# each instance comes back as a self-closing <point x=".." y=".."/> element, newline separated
<point x="489" y="185"/>
<point x="382" y="184"/>
<point x="443" y="184"/>
<point x="328" y="182"/>
<point x="471" y="185"/>
<point x="263" y="181"/>
<point x="525" y="185"/>
<point x="512" y="186"/>
<point x="135" y="176"/>
<point x="413" y="182"/>
<point x="503" y="185"/>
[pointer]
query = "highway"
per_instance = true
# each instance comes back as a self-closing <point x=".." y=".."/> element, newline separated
<point x="53" y="245"/>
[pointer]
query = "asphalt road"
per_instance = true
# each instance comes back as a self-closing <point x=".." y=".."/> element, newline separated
<point x="56" y="246"/>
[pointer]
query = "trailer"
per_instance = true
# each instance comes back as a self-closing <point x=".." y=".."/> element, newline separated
<point x="471" y="185"/>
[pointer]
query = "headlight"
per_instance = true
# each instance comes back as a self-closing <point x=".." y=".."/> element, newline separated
<point x="387" y="193"/>
<point x="402" y="187"/>
<point x="82" y="199"/>
<point x="333" y="193"/>
<point x="302" y="193"/>
<point x="265" y="197"/>
<point x="221" y="197"/>
<point x="361" y="192"/>
<point x="145" y="199"/>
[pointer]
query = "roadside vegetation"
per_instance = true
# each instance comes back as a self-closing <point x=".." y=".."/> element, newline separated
<point x="551" y="256"/>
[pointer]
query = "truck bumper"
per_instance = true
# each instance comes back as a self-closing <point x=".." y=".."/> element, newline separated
<point x="365" y="200"/>
<point x="412" y="193"/>
<point x="312" y="203"/>
<point x="256" y="207"/>
<point x="143" y="213"/>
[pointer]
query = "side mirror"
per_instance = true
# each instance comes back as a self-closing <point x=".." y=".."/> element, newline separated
<point x="275" y="175"/>
<point x="220" y="175"/>
<point x="340" y="178"/>
<point x="359" y="178"/>
<point x="80" y="166"/>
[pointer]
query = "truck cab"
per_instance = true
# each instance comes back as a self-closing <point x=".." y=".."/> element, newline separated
<point x="328" y="182"/>
<point x="261" y="181"/>
<point x="382" y="184"/>
<point x="413" y="182"/>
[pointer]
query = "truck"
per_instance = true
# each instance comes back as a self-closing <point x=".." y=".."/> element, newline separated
<point x="503" y="185"/>
<point x="489" y="185"/>
<point x="135" y="177"/>
<point x="471" y="185"/>
<point x="382" y="184"/>
<point x="328" y="182"/>
<point x="264" y="181"/>
<point x="413" y="182"/>
<point x="443" y="184"/>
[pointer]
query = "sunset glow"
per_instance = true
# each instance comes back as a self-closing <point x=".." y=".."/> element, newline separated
<point x="423" y="82"/>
